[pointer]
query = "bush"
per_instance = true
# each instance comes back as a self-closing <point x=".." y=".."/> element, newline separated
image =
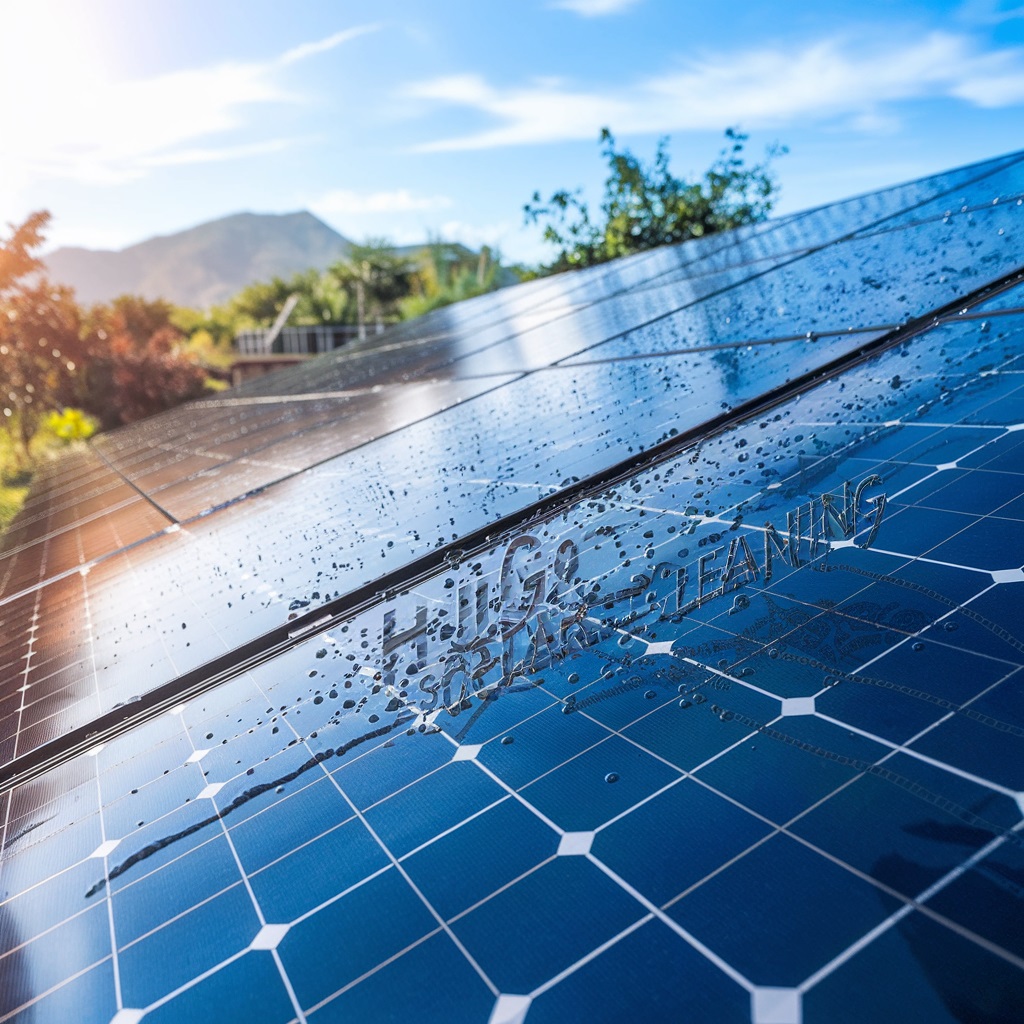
<point x="71" y="425"/>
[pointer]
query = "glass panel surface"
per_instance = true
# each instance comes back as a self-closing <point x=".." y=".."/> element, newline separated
<point x="611" y="746"/>
<point x="736" y="736"/>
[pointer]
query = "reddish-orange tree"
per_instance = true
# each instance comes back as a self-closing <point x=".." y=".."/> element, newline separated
<point x="41" y="347"/>
<point x="136" y="363"/>
<point x="129" y="381"/>
<point x="120" y="362"/>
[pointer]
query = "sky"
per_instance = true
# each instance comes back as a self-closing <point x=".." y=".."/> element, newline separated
<point x="404" y="118"/>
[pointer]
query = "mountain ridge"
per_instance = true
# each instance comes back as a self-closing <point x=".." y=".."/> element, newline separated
<point x="203" y="265"/>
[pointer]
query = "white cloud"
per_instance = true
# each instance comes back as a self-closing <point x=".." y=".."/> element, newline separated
<point x="475" y="235"/>
<point x="75" y="122"/>
<point x="757" y="88"/>
<point x="470" y="235"/>
<point x="594" y="8"/>
<point x="538" y="112"/>
<point x="873" y="122"/>
<point x="1000" y="86"/>
<point x="399" y="200"/>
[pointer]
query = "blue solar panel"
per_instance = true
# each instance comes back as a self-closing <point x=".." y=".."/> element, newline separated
<point x="709" y="708"/>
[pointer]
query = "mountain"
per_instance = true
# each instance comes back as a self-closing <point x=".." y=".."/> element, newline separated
<point x="204" y="265"/>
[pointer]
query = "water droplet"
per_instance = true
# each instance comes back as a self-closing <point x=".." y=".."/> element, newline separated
<point x="611" y="777"/>
<point x="506" y="740"/>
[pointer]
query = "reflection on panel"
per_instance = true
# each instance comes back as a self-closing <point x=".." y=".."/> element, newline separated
<point x="79" y="510"/>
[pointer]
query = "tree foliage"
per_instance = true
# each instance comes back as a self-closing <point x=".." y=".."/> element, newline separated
<point x="40" y="334"/>
<point x="17" y="259"/>
<point x="71" y="424"/>
<point x="447" y="273"/>
<point x="377" y="278"/>
<point x="321" y="300"/>
<point x="152" y="377"/>
<point x="647" y="206"/>
<point x="119" y="361"/>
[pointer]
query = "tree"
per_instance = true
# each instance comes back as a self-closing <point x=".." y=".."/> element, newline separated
<point x="136" y="361"/>
<point x="16" y="256"/>
<point x="40" y="342"/>
<point x="647" y="206"/>
<point x="447" y="272"/>
<point x="377" y="278"/>
<point x="137" y="317"/>
<point x="321" y="301"/>
<point x="149" y="378"/>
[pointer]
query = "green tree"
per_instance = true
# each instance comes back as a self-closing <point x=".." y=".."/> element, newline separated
<point x="447" y="272"/>
<point x="258" y="304"/>
<point x="376" y="278"/>
<point x="647" y="206"/>
<point x="321" y="300"/>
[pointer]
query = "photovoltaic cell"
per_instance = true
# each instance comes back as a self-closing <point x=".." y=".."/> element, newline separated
<point x="732" y="735"/>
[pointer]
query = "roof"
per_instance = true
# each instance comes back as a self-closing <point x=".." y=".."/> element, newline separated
<point x="642" y="643"/>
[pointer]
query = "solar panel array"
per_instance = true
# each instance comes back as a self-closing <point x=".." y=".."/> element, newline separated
<point x="637" y="644"/>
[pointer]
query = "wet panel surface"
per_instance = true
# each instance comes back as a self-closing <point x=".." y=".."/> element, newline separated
<point x="736" y="734"/>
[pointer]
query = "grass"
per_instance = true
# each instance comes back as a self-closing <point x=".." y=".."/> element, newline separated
<point x="11" y="500"/>
<point x="18" y="467"/>
<point x="15" y="478"/>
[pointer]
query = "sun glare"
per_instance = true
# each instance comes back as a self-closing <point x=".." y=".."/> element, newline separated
<point x="54" y="67"/>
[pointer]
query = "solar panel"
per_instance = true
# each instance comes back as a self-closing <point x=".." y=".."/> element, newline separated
<point x="660" y="685"/>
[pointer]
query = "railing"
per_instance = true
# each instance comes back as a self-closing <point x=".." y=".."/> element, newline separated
<point x="296" y="340"/>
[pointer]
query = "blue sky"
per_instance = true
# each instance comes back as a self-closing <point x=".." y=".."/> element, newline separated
<point x="128" y="118"/>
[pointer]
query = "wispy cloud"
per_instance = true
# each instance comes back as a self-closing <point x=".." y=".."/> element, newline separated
<point x="402" y="200"/>
<point x="545" y="111"/>
<point x="304" y="50"/>
<point x="594" y="8"/>
<point x="81" y="125"/>
<point x="990" y="12"/>
<point x="757" y="88"/>
<point x="215" y="154"/>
